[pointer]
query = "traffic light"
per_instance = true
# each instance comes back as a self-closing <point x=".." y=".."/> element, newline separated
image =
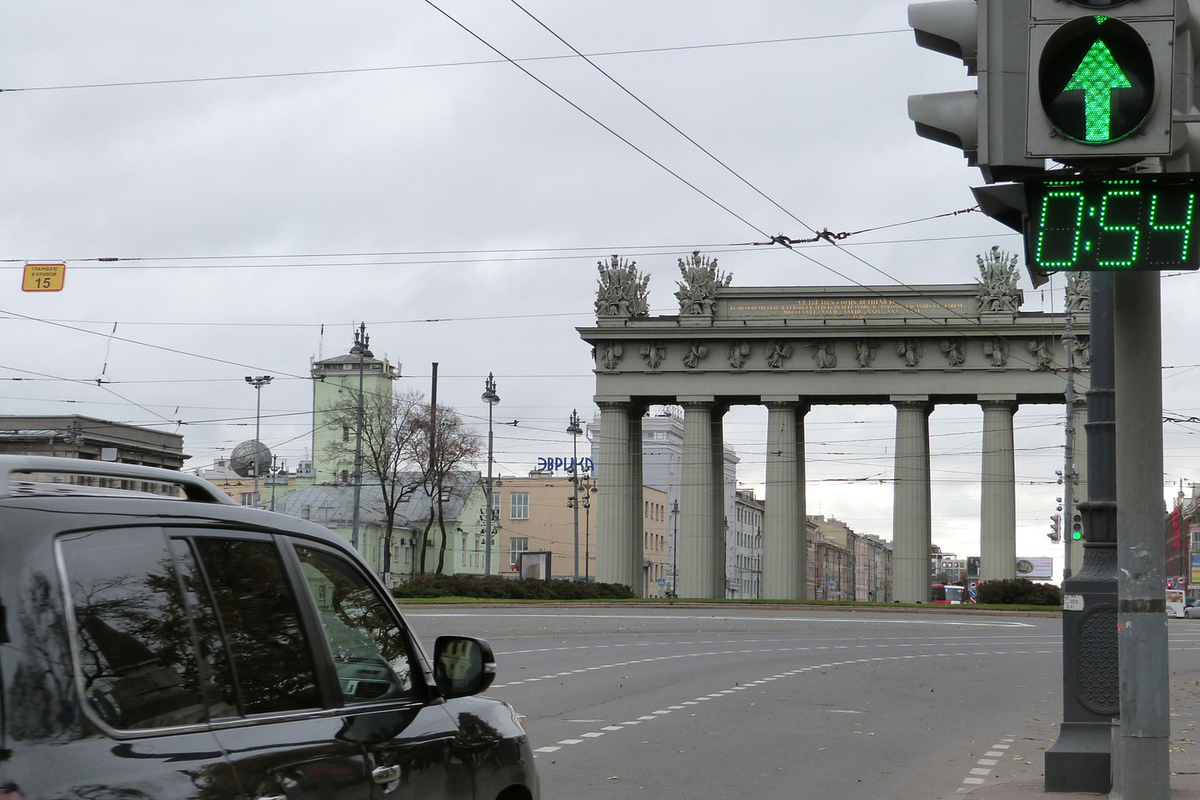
<point x="1055" y="533"/>
<point x="1105" y="80"/>
<point x="1076" y="527"/>
<point x="988" y="123"/>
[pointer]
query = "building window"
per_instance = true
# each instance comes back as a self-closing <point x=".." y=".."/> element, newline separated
<point x="516" y="546"/>
<point x="518" y="505"/>
<point x="345" y="433"/>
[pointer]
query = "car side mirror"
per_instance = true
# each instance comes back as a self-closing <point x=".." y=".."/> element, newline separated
<point x="463" y="665"/>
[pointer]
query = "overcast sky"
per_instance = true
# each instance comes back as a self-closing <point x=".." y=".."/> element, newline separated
<point x="268" y="175"/>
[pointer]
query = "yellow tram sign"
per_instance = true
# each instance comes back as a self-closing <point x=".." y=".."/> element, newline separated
<point x="44" y="277"/>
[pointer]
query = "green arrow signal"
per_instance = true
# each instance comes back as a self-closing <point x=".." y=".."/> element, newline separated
<point x="1097" y="75"/>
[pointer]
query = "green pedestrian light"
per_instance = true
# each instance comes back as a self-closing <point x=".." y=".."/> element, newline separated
<point x="1097" y="76"/>
<point x="1096" y="80"/>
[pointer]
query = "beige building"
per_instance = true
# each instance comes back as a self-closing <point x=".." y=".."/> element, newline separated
<point x="534" y="514"/>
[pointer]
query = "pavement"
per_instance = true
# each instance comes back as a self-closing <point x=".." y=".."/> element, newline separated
<point x="1184" y="754"/>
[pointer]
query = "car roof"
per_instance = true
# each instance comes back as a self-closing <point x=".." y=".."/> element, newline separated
<point x="131" y="493"/>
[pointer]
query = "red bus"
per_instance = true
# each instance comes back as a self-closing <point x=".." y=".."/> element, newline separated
<point x="949" y="594"/>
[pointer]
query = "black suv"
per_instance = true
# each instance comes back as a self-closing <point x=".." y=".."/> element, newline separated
<point x="159" y="641"/>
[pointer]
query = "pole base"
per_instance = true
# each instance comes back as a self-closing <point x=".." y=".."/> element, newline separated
<point x="1081" y="759"/>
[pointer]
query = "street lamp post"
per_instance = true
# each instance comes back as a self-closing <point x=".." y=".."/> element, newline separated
<point x="575" y="432"/>
<point x="492" y="399"/>
<point x="675" y="551"/>
<point x="359" y="349"/>
<point x="586" y="500"/>
<point x="587" y="522"/>
<point x="275" y="478"/>
<point x="257" y="381"/>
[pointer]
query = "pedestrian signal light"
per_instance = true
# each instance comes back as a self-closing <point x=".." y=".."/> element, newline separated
<point x="1101" y="79"/>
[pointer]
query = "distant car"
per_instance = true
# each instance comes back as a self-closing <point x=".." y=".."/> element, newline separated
<point x="1192" y="609"/>
<point x="159" y="641"/>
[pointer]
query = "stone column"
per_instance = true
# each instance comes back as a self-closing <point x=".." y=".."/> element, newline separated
<point x="619" y="504"/>
<point x="636" y="522"/>
<point x="911" y="512"/>
<point x="720" y="523"/>
<point x="698" y="528"/>
<point x="785" y="546"/>
<point x="998" y="510"/>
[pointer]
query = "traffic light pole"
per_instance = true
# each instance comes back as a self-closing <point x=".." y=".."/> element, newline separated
<point x="1080" y="760"/>
<point x="1069" y="450"/>
<point x="1143" y="769"/>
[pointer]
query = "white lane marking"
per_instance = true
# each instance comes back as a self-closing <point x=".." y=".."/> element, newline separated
<point x="985" y="767"/>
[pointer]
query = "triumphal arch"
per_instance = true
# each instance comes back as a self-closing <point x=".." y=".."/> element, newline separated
<point x="791" y="348"/>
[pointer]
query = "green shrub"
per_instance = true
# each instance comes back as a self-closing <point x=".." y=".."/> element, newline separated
<point x="1019" y="592"/>
<point x="495" y="587"/>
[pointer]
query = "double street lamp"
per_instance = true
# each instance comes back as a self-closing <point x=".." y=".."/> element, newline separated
<point x="576" y="431"/>
<point x="492" y="399"/>
<point x="588" y="488"/>
<point x="257" y="381"/>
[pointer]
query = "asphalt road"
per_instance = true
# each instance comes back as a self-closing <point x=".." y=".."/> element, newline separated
<point x="751" y="702"/>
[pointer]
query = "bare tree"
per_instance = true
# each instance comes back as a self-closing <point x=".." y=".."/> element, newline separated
<point x="453" y="445"/>
<point x="391" y="435"/>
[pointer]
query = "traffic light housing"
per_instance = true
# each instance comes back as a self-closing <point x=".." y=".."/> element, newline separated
<point x="988" y="124"/>
<point x="1105" y="80"/>
<point x="1076" y="527"/>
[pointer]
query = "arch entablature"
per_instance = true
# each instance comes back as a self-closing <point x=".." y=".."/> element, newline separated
<point x="841" y="345"/>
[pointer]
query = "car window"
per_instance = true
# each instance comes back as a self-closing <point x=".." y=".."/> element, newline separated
<point x="136" y="647"/>
<point x="369" y="651"/>
<point x="257" y="612"/>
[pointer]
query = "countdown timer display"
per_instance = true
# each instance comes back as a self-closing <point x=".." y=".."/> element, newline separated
<point x="1112" y="223"/>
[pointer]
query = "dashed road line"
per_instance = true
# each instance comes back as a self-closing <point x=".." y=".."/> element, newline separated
<point x="979" y="774"/>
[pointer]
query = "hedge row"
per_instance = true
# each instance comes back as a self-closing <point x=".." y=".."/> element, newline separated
<point x="1019" y="591"/>
<point x="498" y="588"/>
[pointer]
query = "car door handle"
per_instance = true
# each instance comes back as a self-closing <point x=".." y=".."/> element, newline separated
<point x="387" y="774"/>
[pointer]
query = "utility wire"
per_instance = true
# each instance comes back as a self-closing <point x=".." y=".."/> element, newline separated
<point x="580" y="109"/>
<point x="403" y="67"/>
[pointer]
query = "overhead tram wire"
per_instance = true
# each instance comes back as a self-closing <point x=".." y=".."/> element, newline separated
<point x="98" y="263"/>
<point x="127" y="340"/>
<point x="596" y="120"/>
<point x="443" y="65"/>
<point x="731" y="171"/>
